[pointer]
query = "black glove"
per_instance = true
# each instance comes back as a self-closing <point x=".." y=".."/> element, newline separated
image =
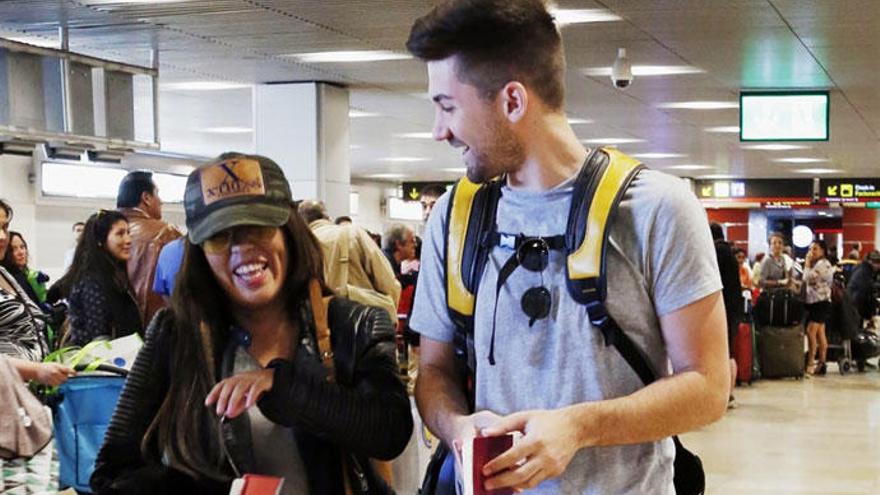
<point x="42" y="277"/>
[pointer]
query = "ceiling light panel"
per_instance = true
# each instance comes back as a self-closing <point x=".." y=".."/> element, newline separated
<point x="415" y="135"/>
<point x="700" y="105"/>
<point x="801" y="160"/>
<point x="690" y="167"/>
<point x="612" y="141"/>
<point x="818" y="171"/>
<point x="647" y="70"/>
<point x="732" y="129"/>
<point x="565" y="17"/>
<point x="774" y="147"/>
<point x="360" y="114"/>
<point x="577" y="121"/>
<point x="346" y="56"/>
<point x="658" y="156"/>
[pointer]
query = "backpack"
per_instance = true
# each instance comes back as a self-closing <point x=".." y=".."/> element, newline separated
<point x="470" y="236"/>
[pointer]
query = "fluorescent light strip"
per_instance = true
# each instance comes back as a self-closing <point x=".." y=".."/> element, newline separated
<point x="612" y="141"/>
<point x="564" y="17"/>
<point x="360" y="114"/>
<point x="658" y="156"/>
<point x="733" y="129"/>
<point x="690" y="167"/>
<point x="385" y="176"/>
<point x="801" y="160"/>
<point x="648" y="70"/>
<point x="415" y="135"/>
<point x="699" y="105"/>
<point x="818" y="171"/>
<point x="717" y="176"/>
<point x="456" y="170"/>
<point x="773" y="147"/>
<point x="346" y="56"/>
<point x="577" y="121"/>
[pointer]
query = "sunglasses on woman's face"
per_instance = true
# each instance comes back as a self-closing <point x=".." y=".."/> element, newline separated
<point x="221" y="241"/>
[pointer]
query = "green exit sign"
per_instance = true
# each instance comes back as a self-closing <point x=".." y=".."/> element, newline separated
<point x="873" y="204"/>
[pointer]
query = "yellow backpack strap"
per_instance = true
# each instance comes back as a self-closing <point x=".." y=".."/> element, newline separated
<point x="459" y="299"/>
<point x="598" y="190"/>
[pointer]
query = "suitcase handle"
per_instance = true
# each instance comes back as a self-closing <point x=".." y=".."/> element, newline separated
<point x="107" y="368"/>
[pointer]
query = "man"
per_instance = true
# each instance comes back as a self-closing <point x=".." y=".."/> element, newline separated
<point x="428" y="197"/>
<point x="728" y="267"/>
<point x="138" y="199"/>
<point x="861" y="285"/>
<point x="496" y="76"/>
<point x="5" y="219"/>
<point x="170" y="260"/>
<point x="77" y="230"/>
<point x="354" y="266"/>
<point x="400" y="247"/>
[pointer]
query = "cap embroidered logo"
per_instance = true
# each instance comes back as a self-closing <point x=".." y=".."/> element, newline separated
<point x="232" y="178"/>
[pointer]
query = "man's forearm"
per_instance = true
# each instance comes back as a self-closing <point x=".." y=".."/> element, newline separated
<point x="667" y="407"/>
<point x="441" y="401"/>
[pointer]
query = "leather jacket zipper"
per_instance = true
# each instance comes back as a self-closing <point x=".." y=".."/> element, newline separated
<point x="359" y="473"/>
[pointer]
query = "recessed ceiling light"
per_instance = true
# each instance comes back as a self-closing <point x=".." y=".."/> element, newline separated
<point x="818" y="171"/>
<point x="700" y="105"/>
<point x="579" y="16"/>
<point x="732" y="129"/>
<point x="773" y="147"/>
<point x="415" y="135"/>
<point x="228" y="130"/>
<point x="456" y="170"/>
<point x="612" y="141"/>
<point x="801" y="160"/>
<point x="385" y="176"/>
<point x="576" y="121"/>
<point x="717" y="176"/>
<point x="648" y="70"/>
<point x="202" y="86"/>
<point x="359" y="114"/>
<point x="690" y="167"/>
<point x="404" y="159"/>
<point x="348" y="56"/>
<point x="658" y="156"/>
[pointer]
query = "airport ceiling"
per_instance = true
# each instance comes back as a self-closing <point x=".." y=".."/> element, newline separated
<point x="730" y="45"/>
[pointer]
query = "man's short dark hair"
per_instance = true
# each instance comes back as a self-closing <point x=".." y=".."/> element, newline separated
<point x="311" y="210"/>
<point x="78" y="224"/>
<point x="7" y="208"/>
<point x="496" y="41"/>
<point x="133" y="186"/>
<point x="433" y="191"/>
<point x="717" y="231"/>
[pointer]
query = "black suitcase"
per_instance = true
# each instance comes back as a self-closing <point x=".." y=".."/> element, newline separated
<point x="779" y="308"/>
<point x="781" y="350"/>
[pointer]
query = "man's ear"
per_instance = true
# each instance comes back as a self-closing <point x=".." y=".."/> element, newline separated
<point x="514" y="100"/>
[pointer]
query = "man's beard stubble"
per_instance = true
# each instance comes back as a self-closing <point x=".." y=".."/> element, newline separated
<point x="502" y="154"/>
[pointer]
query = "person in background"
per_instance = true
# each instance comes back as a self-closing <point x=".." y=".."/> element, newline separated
<point x="832" y="255"/>
<point x="77" y="230"/>
<point x="856" y="252"/>
<point x="101" y="300"/>
<point x="776" y="268"/>
<point x="138" y="199"/>
<point x="428" y="197"/>
<point x="861" y="285"/>
<point x="368" y="277"/>
<point x="22" y="323"/>
<point x="818" y="277"/>
<point x="16" y="263"/>
<point x="733" y="300"/>
<point x="167" y="267"/>
<point x="234" y="376"/>
<point x="745" y="273"/>
<point x="400" y="247"/>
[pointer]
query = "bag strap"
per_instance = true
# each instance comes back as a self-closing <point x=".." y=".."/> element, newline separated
<point x="319" y="305"/>
<point x="344" y="240"/>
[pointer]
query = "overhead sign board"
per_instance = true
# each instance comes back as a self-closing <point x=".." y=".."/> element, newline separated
<point x="783" y="116"/>
<point x="755" y="189"/>
<point x="412" y="191"/>
<point x="849" y="190"/>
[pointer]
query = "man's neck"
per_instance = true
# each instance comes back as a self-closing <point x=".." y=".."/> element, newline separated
<point x="553" y="154"/>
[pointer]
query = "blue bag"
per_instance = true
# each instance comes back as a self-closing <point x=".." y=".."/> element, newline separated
<point x="82" y="415"/>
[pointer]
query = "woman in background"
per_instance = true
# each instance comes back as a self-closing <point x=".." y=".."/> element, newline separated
<point x="818" y="275"/>
<point x="100" y="297"/>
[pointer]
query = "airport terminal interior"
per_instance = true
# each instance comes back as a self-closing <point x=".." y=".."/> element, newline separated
<point x="767" y="110"/>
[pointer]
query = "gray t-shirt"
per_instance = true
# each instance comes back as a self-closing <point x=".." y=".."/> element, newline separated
<point x="274" y="446"/>
<point x="661" y="258"/>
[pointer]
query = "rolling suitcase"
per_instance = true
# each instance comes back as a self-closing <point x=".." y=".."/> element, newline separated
<point x="781" y="351"/>
<point x="779" y="308"/>
<point x="742" y="353"/>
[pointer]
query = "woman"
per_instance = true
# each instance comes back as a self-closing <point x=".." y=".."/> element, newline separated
<point x="818" y="276"/>
<point x="100" y="298"/>
<point x="32" y="281"/>
<point x="241" y="332"/>
<point x="22" y="324"/>
<point x="745" y="273"/>
<point x="776" y="268"/>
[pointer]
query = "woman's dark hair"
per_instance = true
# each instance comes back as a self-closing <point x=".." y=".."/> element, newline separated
<point x="496" y="42"/>
<point x="184" y="430"/>
<point x="91" y="258"/>
<point x="9" y="260"/>
<point x="822" y="245"/>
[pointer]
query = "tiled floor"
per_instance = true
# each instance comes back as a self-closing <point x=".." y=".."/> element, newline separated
<point x="806" y="437"/>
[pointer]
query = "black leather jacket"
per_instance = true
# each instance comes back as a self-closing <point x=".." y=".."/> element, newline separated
<point x="365" y="414"/>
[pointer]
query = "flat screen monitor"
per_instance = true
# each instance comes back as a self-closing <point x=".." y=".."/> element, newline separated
<point x="783" y="116"/>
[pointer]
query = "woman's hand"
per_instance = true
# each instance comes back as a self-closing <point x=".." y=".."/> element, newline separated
<point x="236" y="394"/>
<point x="53" y="374"/>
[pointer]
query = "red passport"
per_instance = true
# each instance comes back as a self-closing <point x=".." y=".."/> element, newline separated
<point x="254" y="484"/>
<point x="475" y="455"/>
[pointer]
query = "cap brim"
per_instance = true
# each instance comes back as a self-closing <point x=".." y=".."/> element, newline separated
<point x="237" y="215"/>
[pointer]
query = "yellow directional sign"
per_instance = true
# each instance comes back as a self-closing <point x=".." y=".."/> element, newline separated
<point x="846" y="190"/>
<point x="414" y="193"/>
<point x="832" y="190"/>
<point x="706" y="191"/>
